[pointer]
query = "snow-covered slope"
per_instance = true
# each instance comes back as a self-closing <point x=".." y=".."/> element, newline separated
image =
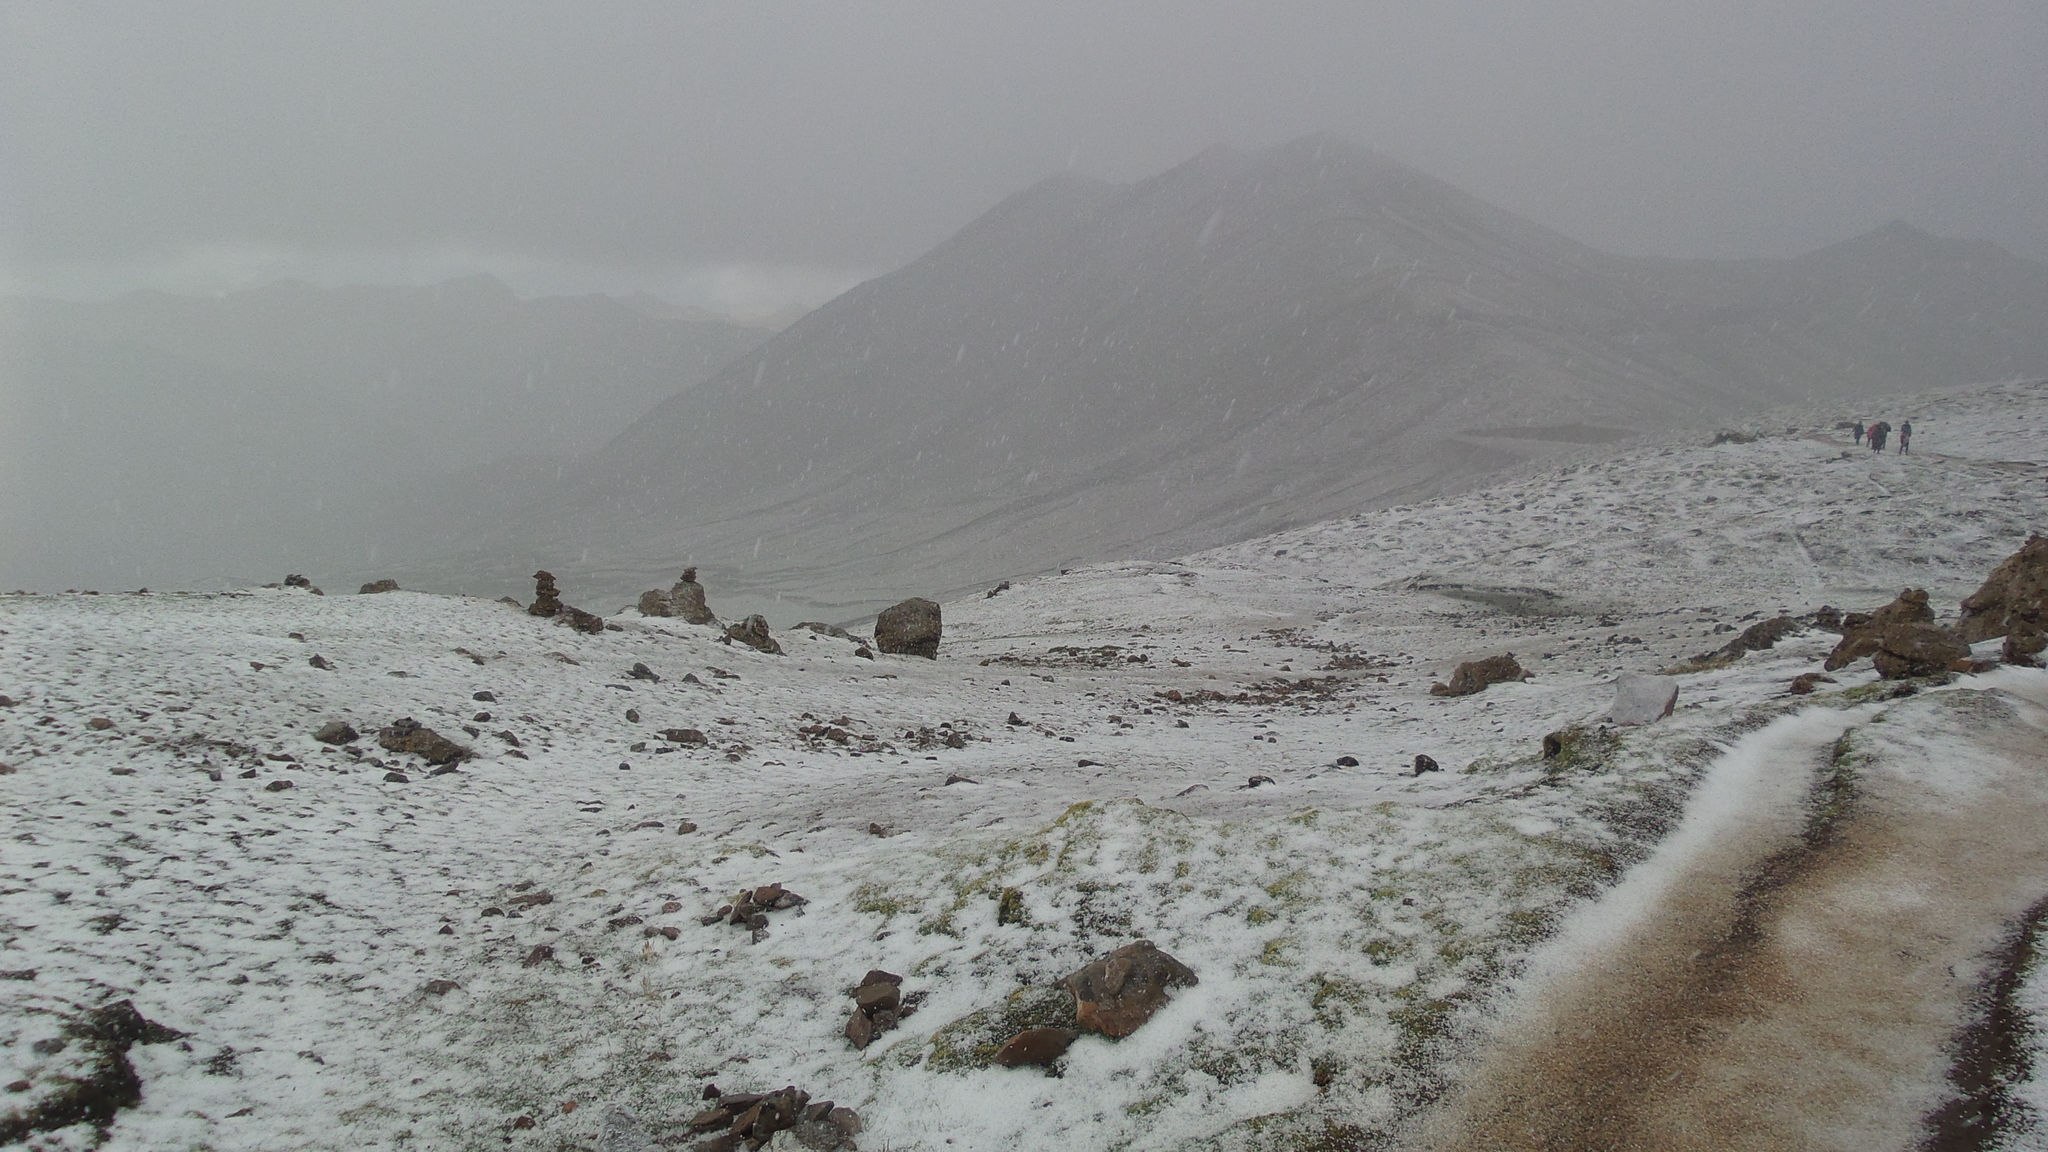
<point x="1247" y="342"/>
<point x="1360" y="933"/>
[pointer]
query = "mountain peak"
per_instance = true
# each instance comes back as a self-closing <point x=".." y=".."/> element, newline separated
<point x="482" y="288"/>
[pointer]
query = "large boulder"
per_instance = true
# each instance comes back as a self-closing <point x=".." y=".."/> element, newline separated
<point x="909" y="629"/>
<point x="1640" y="699"/>
<point x="409" y="735"/>
<point x="1474" y="676"/>
<point x="1864" y="635"/>
<point x="2025" y="643"/>
<point x="753" y="632"/>
<point x="2015" y="591"/>
<point x="1761" y="636"/>
<point x="1120" y="991"/>
<point x="1909" y="650"/>
<point x="377" y="586"/>
<point x="686" y="599"/>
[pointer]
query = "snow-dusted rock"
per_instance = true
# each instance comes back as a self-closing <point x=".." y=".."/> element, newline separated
<point x="1864" y="635"/>
<point x="1120" y="991"/>
<point x="911" y="628"/>
<point x="1908" y="650"/>
<point x="1475" y="675"/>
<point x="1641" y="699"/>
<point x="753" y="632"/>
<point x="2014" y="593"/>
<point x="686" y="599"/>
<point x="623" y="1132"/>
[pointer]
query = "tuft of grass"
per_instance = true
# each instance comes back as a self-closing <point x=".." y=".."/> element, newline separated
<point x="876" y="899"/>
<point x="971" y="1042"/>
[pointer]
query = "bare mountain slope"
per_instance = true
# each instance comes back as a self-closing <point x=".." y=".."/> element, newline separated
<point x="156" y="439"/>
<point x="1245" y="342"/>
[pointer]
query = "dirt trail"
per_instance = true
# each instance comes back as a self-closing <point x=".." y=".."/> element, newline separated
<point x="1796" y="978"/>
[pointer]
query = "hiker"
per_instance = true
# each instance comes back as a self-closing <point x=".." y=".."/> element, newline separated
<point x="1876" y="435"/>
<point x="1859" y="432"/>
<point x="1905" y="437"/>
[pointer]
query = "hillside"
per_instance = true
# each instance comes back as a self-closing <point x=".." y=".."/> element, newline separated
<point x="1213" y="753"/>
<point x="1248" y="341"/>
<point x="166" y="439"/>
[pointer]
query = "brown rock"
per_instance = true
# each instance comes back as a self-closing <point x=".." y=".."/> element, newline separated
<point x="684" y="736"/>
<point x="541" y="954"/>
<point x="1804" y="683"/>
<point x="911" y="628"/>
<point x="99" y="723"/>
<point x="1763" y="635"/>
<point x="1120" y="991"/>
<point x="753" y="632"/>
<point x="2016" y="589"/>
<point x="377" y="586"/>
<point x="860" y="1030"/>
<point x="655" y="602"/>
<point x="877" y="976"/>
<point x="880" y="997"/>
<point x="409" y="735"/>
<point x="1908" y="650"/>
<point x="1475" y="675"/>
<point x="336" y="732"/>
<point x="1864" y="635"/>
<point x="1036" y="1046"/>
<point x="2024" y="643"/>
<point x="441" y="987"/>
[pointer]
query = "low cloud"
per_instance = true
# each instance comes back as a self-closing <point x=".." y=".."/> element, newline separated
<point x="743" y="289"/>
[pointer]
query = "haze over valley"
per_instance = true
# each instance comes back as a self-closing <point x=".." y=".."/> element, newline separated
<point x="1246" y="342"/>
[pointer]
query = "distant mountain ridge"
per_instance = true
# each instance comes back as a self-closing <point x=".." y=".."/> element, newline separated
<point x="159" y="438"/>
<point x="1245" y="342"/>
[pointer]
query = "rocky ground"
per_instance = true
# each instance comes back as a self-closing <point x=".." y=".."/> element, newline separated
<point x="358" y="948"/>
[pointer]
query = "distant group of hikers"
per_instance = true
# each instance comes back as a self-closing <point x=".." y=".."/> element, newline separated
<point x="1879" y="432"/>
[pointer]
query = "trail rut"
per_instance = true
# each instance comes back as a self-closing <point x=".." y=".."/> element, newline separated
<point x="1785" y="975"/>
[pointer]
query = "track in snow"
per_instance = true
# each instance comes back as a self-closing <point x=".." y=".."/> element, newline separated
<point x="1791" y="970"/>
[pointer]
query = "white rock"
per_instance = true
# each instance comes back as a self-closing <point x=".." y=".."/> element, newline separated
<point x="1640" y="699"/>
<point x="623" y="1132"/>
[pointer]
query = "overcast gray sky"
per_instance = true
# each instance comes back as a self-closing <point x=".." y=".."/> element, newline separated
<point x="747" y="155"/>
